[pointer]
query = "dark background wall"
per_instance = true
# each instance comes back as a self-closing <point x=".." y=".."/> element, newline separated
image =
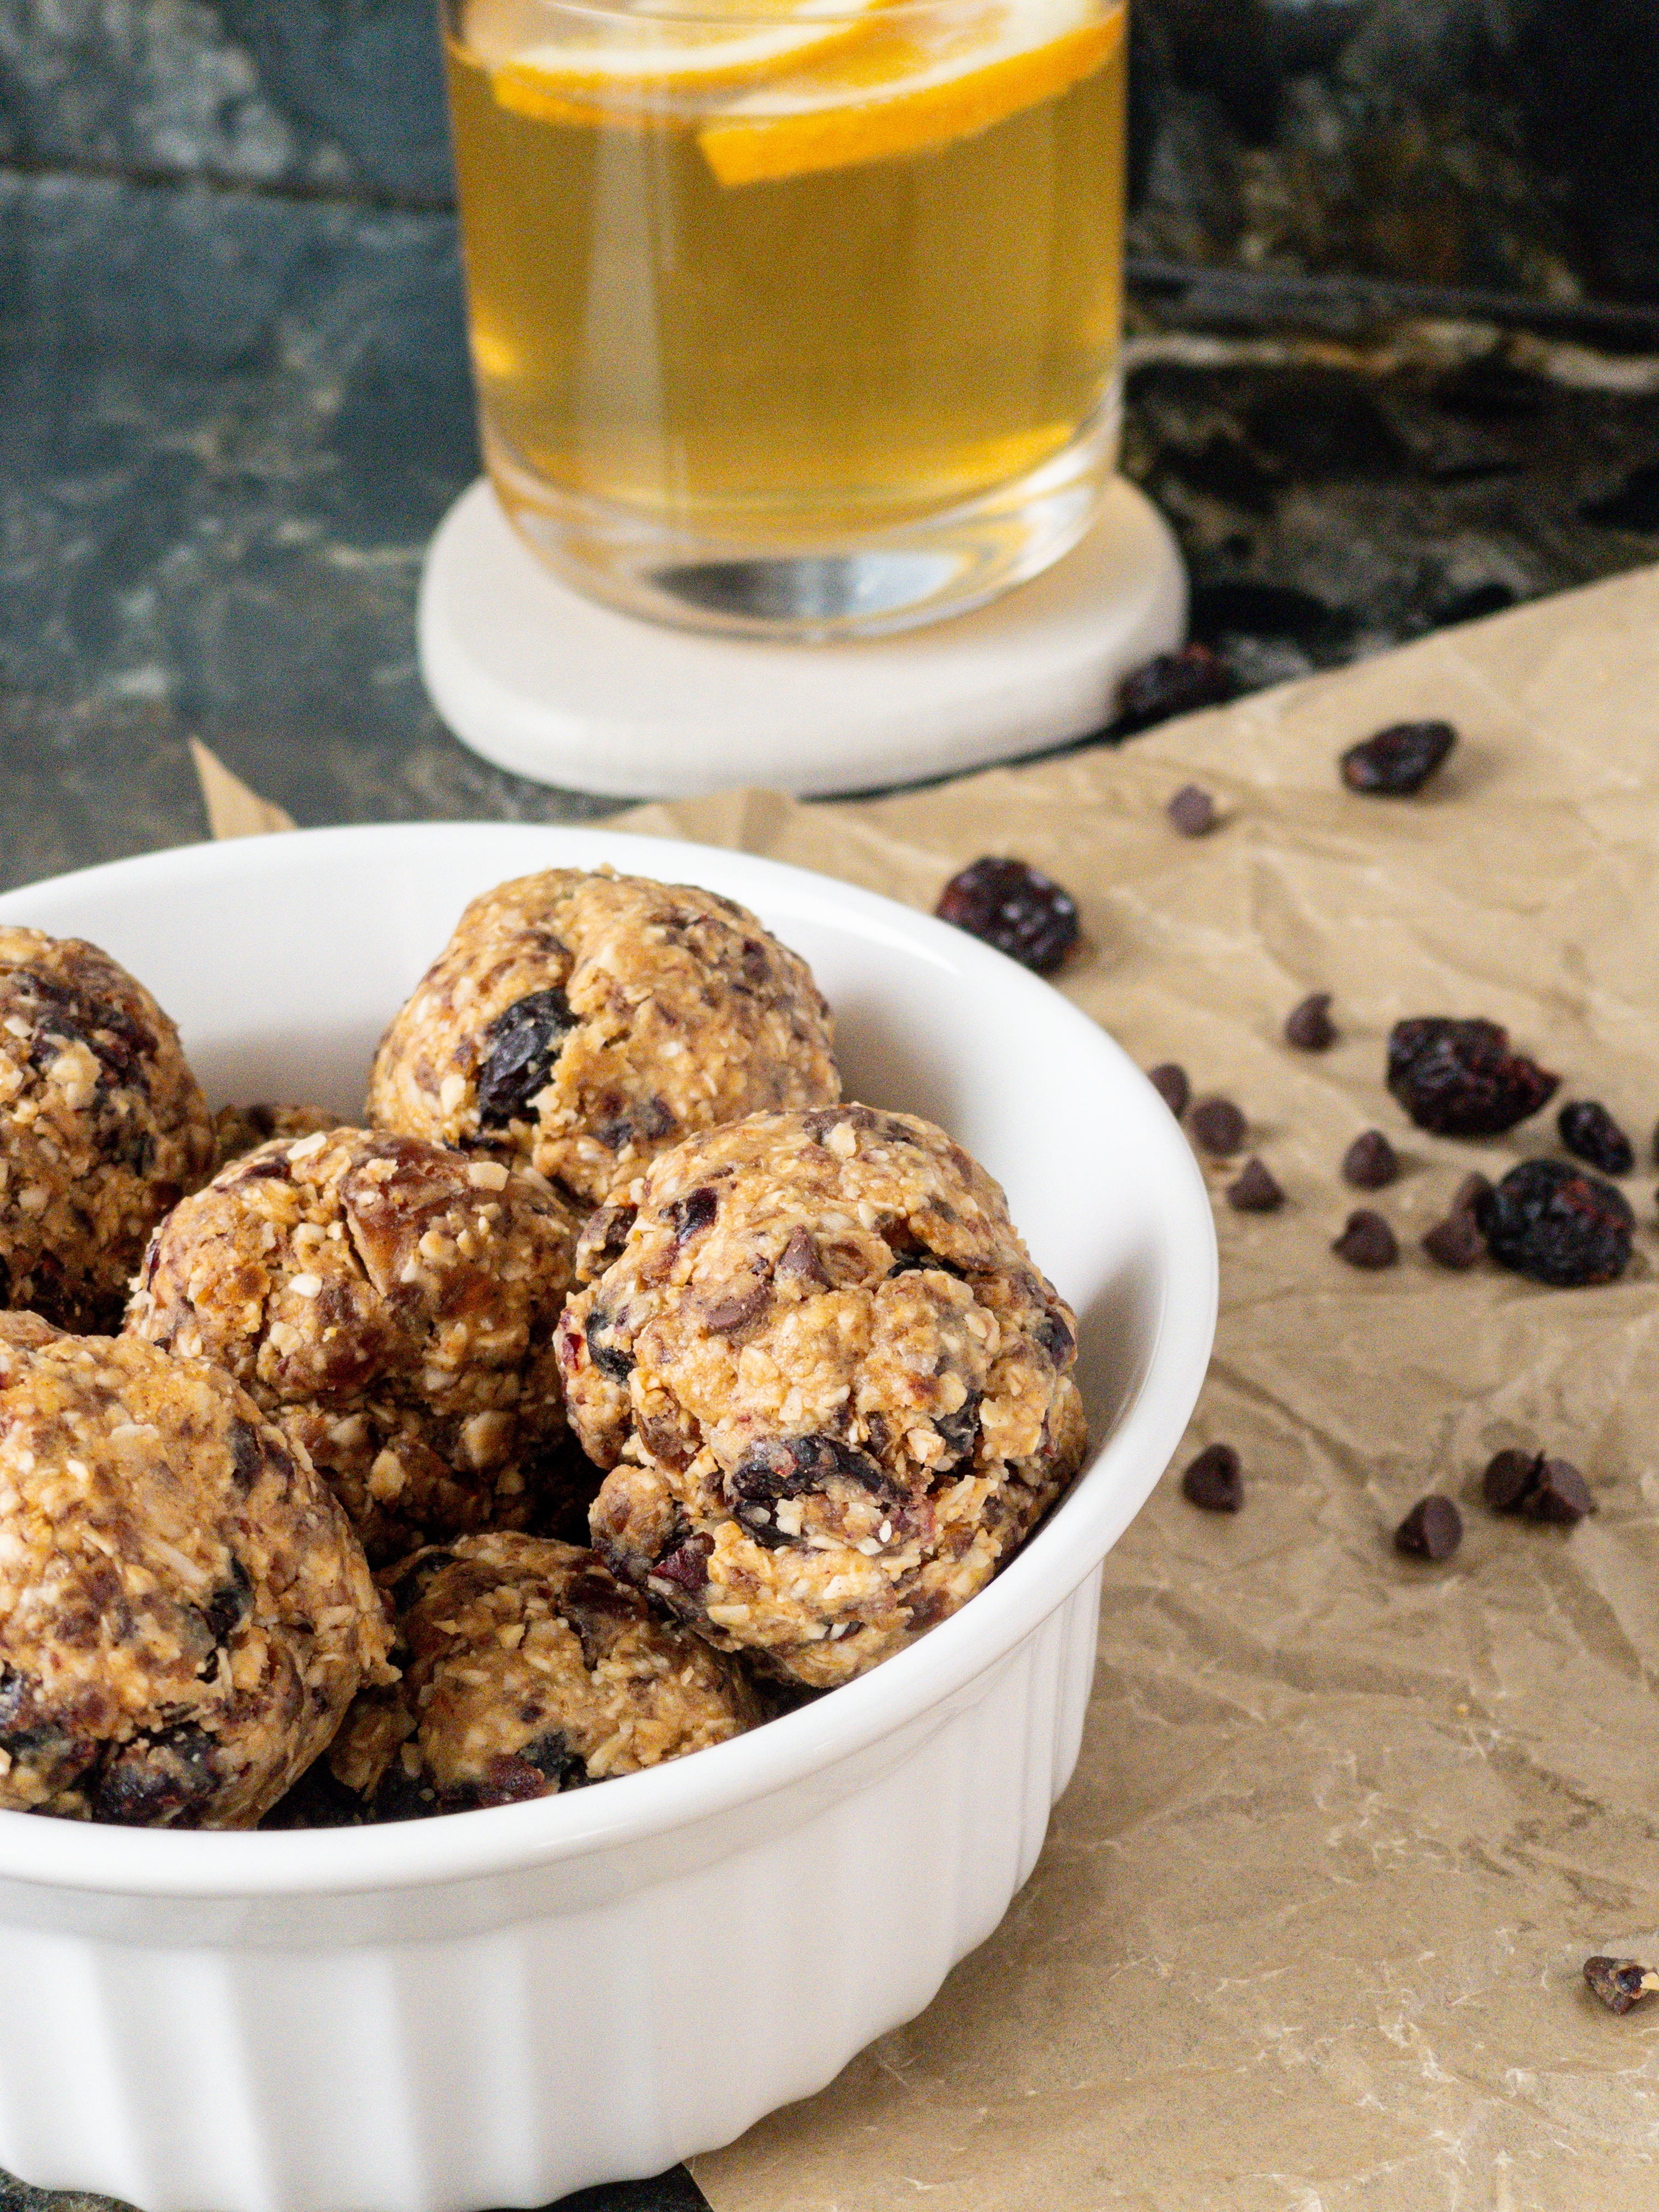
<point x="1509" y="145"/>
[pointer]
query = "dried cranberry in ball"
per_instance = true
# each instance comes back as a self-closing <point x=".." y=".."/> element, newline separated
<point x="1015" y="908"/>
<point x="1173" y="683"/>
<point x="1398" y="761"/>
<point x="1557" y="1225"/>
<point x="1460" y="1078"/>
<point x="1590" y="1134"/>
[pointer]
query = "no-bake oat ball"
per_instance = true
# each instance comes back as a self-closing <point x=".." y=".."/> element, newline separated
<point x="239" y="1130"/>
<point x="832" y="1390"/>
<point x="526" y="1669"/>
<point x="185" y="1615"/>
<point x="584" y="1023"/>
<point x="102" y="1127"/>
<point x="392" y="1304"/>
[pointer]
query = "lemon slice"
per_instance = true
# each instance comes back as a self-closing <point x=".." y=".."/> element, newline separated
<point x="647" y="47"/>
<point x="909" y="83"/>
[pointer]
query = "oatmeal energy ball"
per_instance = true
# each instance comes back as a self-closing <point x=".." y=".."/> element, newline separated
<point x="527" y="1669"/>
<point x="240" y="1129"/>
<point x="102" y="1127"/>
<point x="392" y="1304"/>
<point x="583" y="1023"/>
<point x="833" y="1393"/>
<point x="185" y="1615"/>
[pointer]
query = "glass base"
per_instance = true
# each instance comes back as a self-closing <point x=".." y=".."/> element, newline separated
<point x="923" y="571"/>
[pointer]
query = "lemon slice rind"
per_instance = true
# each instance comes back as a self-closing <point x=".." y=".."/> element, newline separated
<point x="641" y="54"/>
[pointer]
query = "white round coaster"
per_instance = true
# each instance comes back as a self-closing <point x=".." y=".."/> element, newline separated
<point x="551" y="685"/>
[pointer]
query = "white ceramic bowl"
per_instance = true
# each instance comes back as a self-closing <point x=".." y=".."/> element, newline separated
<point x="495" y="2007"/>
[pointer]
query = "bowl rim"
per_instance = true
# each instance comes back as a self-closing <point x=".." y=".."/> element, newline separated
<point x="495" y="1840"/>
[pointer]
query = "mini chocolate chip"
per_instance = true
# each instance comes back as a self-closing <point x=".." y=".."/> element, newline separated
<point x="694" y="1212"/>
<point x="1399" y="761"/>
<point x="1215" y="1480"/>
<point x="1170" y="1083"/>
<point x="1455" y="1242"/>
<point x="1173" y="683"/>
<point x="1308" y="1025"/>
<point x="1508" y="1478"/>
<point x="735" y="1310"/>
<point x="1371" y="1162"/>
<point x="248" y="1454"/>
<point x="1367" y="1240"/>
<point x="1219" y="1126"/>
<point x="1433" y="1529"/>
<point x="1255" y="1190"/>
<point x="1191" y="811"/>
<point x="800" y="1258"/>
<point x="1590" y="1134"/>
<point x="1621" y="1983"/>
<point x="1470" y="1191"/>
<point x="1560" y="1494"/>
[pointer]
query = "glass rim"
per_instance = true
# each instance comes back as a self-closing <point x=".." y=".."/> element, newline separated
<point x="699" y="14"/>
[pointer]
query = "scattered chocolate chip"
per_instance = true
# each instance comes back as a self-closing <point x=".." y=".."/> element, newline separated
<point x="1308" y="1025"/>
<point x="1371" y="1162"/>
<point x="1469" y="1192"/>
<point x="1255" y="1190"/>
<point x="1459" y="1078"/>
<point x="1399" y="761"/>
<point x="1192" y="810"/>
<point x="1590" y="1134"/>
<point x="1015" y="907"/>
<point x="1215" y="1480"/>
<point x="1455" y="1242"/>
<point x="1171" y="1085"/>
<point x="520" y="1049"/>
<point x="1557" y="1225"/>
<point x="1367" y="1240"/>
<point x="1508" y="1477"/>
<point x="1433" y="1529"/>
<point x="1559" y="1493"/>
<point x="1621" y="1983"/>
<point x="1219" y="1126"/>
<point x="1173" y="683"/>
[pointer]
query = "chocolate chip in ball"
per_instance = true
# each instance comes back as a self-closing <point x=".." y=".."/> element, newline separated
<point x="1433" y="1529"/>
<point x="1367" y="1241"/>
<point x="1219" y="1126"/>
<point x="1215" y="1480"/>
<point x="1309" y="1026"/>
<point x="1255" y="1190"/>
<point x="1371" y="1162"/>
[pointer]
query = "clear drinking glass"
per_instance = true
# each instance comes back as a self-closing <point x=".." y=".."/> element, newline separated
<point x="795" y="318"/>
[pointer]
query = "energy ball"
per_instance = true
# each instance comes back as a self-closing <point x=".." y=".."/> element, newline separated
<point x="833" y="1393"/>
<point x="238" y="1130"/>
<point x="526" y="1669"/>
<point x="584" y="1023"/>
<point x="102" y="1127"/>
<point x="185" y="1615"/>
<point x="392" y="1304"/>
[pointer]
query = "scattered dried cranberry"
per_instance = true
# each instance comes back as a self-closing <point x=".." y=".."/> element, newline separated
<point x="1215" y="1480"/>
<point x="1460" y="1078"/>
<point x="1433" y="1529"/>
<point x="1308" y="1025"/>
<point x="1367" y="1241"/>
<point x="1191" y="811"/>
<point x="1621" y="1983"/>
<point x="1455" y="1242"/>
<point x="1557" y="1225"/>
<point x="1017" y="909"/>
<point x="1538" y="1488"/>
<point x="1170" y="1083"/>
<point x="1371" y="1162"/>
<point x="1589" y="1133"/>
<point x="1219" y="1126"/>
<point x="1398" y="761"/>
<point x="1173" y="683"/>
<point x="1256" y="1189"/>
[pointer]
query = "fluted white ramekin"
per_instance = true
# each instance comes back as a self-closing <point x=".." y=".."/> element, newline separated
<point x="498" y="2007"/>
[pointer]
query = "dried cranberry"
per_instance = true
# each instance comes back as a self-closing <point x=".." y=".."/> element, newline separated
<point x="1014" y="907"/>
<point x="1256" y="1189"/>
<point x="1308" y="1025"/>
<point x="1398" y="761"/>
<point x="519" y="1048"/>
<point x="1173" y="683"/>
<point x="1557" y="1225"/>
<point x="1459" y="1078"/>
<point x="1171" y="1084"/>
<point x="1433" y="1529"/>
<point x="1590" y="1134"/>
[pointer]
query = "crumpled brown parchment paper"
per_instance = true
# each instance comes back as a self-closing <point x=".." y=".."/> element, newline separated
<point x="1308" y="1931"/>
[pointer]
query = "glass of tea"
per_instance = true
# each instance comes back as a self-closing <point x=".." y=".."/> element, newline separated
<point x="793" y="318"/>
